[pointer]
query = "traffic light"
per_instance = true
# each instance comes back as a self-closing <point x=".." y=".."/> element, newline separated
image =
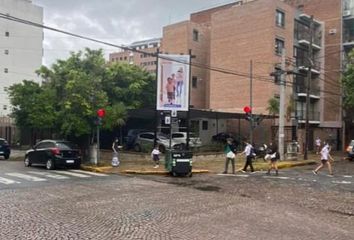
<point x="248" y="112"/>
<point x="248" y="116"/>
<point x="98" y="121"/>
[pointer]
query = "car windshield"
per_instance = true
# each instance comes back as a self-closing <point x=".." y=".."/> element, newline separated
<point x="3" y="141"/>
<point x="66" y="145"/>
<point x="352" y="143"/>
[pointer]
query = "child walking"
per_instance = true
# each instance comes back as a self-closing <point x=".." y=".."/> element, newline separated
<point x="155" y="155"/>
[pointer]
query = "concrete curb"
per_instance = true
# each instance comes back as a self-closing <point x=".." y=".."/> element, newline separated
<point x="160" y="172"/>
<point x="107" y="169"/>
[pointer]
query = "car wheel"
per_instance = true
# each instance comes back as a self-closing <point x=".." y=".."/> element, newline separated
<point x="7" y="156"/>
<point x="49" y="164"/>
<point x="137" y="148"/>
<point x="27" y="162"/>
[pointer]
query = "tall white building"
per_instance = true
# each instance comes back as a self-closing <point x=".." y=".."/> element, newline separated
<point x="21" y="47"/>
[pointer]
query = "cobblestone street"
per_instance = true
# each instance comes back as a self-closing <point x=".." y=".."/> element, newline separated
<point x="245" y="206"/>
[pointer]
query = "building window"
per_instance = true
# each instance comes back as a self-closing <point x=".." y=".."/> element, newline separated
<point x="7" y="34"/>
<point x="277" y="75"/>
<point x="6" y="51"/>
<point x="195" y="35"/>
<point x="6" y="70"/>
<point x="204" y="125"/>
<point x="280" y="18"/>
<point x="125" y="58"/>
<point x="4" y="107"/>
<point x="279" y="45"/>
<point x="194" y="82"/>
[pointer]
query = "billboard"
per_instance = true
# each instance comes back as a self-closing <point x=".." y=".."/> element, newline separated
<point x="173" y="82"/>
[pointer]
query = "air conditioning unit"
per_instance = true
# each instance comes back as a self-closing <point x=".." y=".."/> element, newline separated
<point x="346" y="13"/>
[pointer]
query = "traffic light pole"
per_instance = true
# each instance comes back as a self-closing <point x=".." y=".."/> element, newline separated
<point x="98" y="144"/>
<point x="251" y="103"/>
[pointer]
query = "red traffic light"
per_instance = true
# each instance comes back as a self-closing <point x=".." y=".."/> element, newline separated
<point x="247" y="109"/>
<point x="101" y="112"/>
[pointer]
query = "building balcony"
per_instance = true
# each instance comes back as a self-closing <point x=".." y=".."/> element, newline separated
<point x="314" y="92"/>
<point x="302" y="66"/>
<point x="303" y="37"/>
<point x="314" y="116"/>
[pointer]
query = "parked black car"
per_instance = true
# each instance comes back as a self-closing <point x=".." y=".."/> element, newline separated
<point x="53" y="154"/>
<point x="5" y="150"/>
<point x="222" y="137"/>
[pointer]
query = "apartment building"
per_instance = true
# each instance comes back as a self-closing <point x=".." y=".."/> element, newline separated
<point x="145" y="61"/>
<point x="231" y="36"/>
<point x="21" y="53"/>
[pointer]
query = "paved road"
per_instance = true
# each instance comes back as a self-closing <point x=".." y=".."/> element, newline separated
<point x="65" y="206"/>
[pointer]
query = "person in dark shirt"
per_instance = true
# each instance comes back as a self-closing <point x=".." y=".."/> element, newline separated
<point x="274" y="156"/>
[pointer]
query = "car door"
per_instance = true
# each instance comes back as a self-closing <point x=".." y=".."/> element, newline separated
<point x="33" y="155"/>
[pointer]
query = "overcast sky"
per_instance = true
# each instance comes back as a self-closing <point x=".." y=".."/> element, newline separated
<point x="115" y="21"/>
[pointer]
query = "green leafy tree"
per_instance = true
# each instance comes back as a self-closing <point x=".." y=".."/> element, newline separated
<point x="73" y="90"/>
<point x="273" y="106"/>
<point x="33" y="106"/>
<point x="348" y="82"/>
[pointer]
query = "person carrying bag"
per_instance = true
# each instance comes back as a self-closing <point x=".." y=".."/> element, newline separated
<point x="230" y="151"/>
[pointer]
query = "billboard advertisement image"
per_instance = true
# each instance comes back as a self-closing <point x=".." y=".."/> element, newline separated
<point x="173" y="82"/>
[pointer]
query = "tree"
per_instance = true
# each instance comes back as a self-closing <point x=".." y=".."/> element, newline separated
<point x="33" y="106"/>
<point x="348" y="82"/>
<point x="273" y="106"/>
<point x="73" y="90"/>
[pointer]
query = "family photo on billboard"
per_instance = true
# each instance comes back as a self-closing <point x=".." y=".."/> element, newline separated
<point x="173" y="82"/>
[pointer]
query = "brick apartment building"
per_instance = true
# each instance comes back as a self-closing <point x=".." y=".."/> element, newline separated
<point x="144" y="60"/>
<point x="228" y="37"/>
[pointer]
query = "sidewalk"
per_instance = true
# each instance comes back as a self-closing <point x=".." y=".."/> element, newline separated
<point x="132" y="166"/>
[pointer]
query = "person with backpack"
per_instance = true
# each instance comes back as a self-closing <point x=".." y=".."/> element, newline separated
<point x="230" y="151"/>
<point x="249" y="152"/>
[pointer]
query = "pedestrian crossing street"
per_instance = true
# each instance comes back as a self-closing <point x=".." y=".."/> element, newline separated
<point x="336" y="179"/>
<point x="43" y="176"/>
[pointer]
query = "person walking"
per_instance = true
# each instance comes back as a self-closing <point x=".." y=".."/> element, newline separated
<point x="249" y="152"/>
<point x="115" y="148"/>
<point x="155" y="155"/>
<point x="273" y="156"/>
<point x="318" y="145"/>
<point x="230" y="151"/>
<point x="325" y="159"/>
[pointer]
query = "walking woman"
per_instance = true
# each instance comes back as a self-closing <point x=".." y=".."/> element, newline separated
<point x="325" y="156"/>
<point x="274" y="156"/>
<point x="230" y="151"/>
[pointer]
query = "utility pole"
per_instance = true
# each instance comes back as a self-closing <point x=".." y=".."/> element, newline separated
<point x="282" y="105"/>
<point x="251" y="103"/>
<point x="189" y="96"/>
<point x="308" y="88"/>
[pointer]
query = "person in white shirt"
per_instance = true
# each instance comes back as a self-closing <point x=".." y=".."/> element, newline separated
<point x="325" y="157"/>
<point x="155" y="155"/>
<point x="249" y="156"/>
<point x="318" y="145"/>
